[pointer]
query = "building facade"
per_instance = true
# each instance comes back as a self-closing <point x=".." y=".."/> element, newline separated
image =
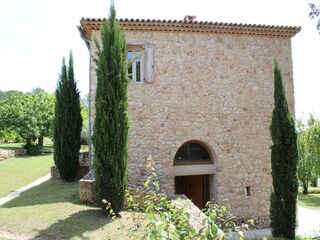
<point x="200" y="104"/>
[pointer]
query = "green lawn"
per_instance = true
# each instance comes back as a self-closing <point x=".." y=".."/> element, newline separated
<point x="11" y="146"/>
<point x="47" y="148"/>
<point x="309" y="201"/>
<point x="84" y="148"/>
<point x="52" y="211"/>
<point x="18" y="172"/>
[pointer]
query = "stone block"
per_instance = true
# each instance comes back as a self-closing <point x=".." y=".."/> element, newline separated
<point x="86" y="188"/>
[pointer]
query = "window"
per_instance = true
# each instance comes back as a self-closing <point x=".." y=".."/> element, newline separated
<point x="135" y="63"/>
<point x="140" y="63"/>
<point x="192" y="153"/>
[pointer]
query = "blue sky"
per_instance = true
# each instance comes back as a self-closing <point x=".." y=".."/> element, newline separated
<point x="36" y="34"/>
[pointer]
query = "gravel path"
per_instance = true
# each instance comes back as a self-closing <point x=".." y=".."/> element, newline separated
<point x="308" y="222"/>
<point x="308" y="225"/>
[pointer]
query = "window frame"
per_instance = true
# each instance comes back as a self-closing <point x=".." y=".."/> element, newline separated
<point x="179" y="163"/>
<point x="134" y="49"/>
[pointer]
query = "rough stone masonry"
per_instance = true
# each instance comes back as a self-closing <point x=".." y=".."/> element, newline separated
<point x="211" y="83"/>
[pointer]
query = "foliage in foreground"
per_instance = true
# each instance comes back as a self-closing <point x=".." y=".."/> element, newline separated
<point x="284" y="156"/>
<point x="67" y="124"/>
<point x="165" y="219"/>
<point x="110" y="135"/>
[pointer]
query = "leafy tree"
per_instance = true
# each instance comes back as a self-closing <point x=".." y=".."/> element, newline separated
<point x="314" y="13"/>
<point x="311" y="163"/>
<point x="312" y="120"/>
<point x="85" y="100"/>
<point x="85" y="122"/>
<point x="3" y="95"/>
<point x="110" y="135"/>
<point x="30" y="115"/>
<point x="67" y="123"/>
<point x="7" y="135"/>
<point x="37" y="90"/>
<point x="309" y="151"/>
<point x="284" y="156"/>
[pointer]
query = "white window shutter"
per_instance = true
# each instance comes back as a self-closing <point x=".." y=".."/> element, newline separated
<point x="148" y="63"/>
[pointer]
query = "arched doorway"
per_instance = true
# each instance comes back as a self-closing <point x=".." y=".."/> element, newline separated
<point x="193" y="167"/>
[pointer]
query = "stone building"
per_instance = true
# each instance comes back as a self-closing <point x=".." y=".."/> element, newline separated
<point x="200" y="103"/>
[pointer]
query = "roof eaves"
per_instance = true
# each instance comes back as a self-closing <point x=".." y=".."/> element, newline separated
<point x="92" y="24"/>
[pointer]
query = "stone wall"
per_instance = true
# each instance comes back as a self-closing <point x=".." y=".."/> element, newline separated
<point x="83" y="170"/>
<point x="216" y="89"/>
<point x="6" y="154"/>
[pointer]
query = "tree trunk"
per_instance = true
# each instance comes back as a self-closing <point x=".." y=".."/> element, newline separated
<point x="28" y="143"/>
<point x="305" y="186"/>
<point x="40" y="142"/>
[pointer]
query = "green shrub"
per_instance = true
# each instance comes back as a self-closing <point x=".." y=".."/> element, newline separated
<point x="163" y="219"/>
<point x="33" y="149"/>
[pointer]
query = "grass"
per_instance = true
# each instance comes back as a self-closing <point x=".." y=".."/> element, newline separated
<point x="52" y="211"/>
<point x="309" y="201"/>
<point x="84" y="148"/>
<point x="47" y="148"/>
<point x="11" y="146"/>
<point x="18" y="172"/>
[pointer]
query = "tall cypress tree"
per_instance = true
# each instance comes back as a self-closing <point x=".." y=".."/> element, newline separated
<point x="110" y="134"/>
<point x="67" y="123"/>
<point x="284" y="156"/>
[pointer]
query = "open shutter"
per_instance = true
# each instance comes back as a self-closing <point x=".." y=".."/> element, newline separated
<point x="148" y="63"/>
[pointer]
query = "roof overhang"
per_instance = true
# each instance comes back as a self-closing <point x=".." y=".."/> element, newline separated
<point x="89" y="25"/>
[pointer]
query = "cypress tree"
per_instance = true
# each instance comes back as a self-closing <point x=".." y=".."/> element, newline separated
<point x="67" y="123"/>
<point x="110" y="134"/>
<point x="284" y="157"/>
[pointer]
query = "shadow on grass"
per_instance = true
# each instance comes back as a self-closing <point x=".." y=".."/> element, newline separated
<point x="51" y="191"/>
<point x="76" y="225"/>
<point x="12" y="146"/>
<point x="310" y="200"/>
<point x="47" y="148"/>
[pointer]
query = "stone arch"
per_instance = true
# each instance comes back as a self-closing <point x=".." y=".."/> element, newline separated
<point x="204" y="148"/>
<point x="194" y="168"/>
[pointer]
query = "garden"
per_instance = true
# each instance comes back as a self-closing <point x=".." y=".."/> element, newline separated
<point x="52" y="210"/>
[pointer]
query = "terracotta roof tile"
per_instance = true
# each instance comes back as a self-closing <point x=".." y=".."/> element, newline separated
<point x="91" y="24"/>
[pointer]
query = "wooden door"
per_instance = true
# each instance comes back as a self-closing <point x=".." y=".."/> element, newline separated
<point x="195" y="188"/>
